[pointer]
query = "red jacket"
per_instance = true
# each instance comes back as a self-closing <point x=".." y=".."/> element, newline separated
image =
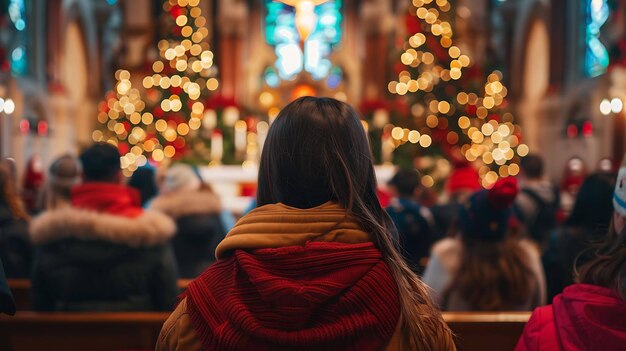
<point x="583" y="317"/>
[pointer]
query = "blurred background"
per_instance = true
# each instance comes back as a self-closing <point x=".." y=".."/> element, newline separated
<point x="437" y="82"/>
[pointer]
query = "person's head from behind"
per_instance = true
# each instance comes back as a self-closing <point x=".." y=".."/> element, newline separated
<point x="181" y="178"/>
<point x="101" y="163"/>
<point x="486" y="215"/>
<point x="316" y="151"/>
<point x="493" y="274"/>
<point x="144" y="180"/>
<point x="63" y="174"/>
<point x="594" y="207"/>
<point x="8" y="195"/>
<point x="405" y="183"/>
<point x="608" y="266"/>
<point x="532" y="166"/>
<point x="462" y="182"/>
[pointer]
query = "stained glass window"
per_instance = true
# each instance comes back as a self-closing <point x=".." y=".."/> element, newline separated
<point x="596" y="55"/>
<point x="18" y="55"/>
<point x="303" y="34"/>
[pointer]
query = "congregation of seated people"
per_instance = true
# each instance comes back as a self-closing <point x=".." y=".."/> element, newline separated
<point x="321" y="262"/>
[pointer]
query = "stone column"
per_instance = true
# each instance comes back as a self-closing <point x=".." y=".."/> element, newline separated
<point x="378" y="21"/>
<point x="232" y="18"/>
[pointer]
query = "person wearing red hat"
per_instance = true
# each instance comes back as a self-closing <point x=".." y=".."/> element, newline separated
<point x="463" y="181"/>
<point x="32" y="183"/>
<point x="485" y="267"/>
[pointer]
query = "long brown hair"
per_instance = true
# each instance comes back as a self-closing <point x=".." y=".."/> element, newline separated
<point x="9" y="196"/>
<point x="317" y="151"/>
<point x="607" y="266"/>
<point x="493" y="276"/>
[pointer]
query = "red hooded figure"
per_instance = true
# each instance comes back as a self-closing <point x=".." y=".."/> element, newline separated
<point x="583" y="317"/>
<point x="590" y="315"/>
<point x="33" y="181"/>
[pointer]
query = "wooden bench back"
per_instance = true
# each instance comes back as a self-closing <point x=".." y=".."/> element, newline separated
<point x="486" y="331"/>
<point x="21" y="289"/>
<point x="31" y="331"/>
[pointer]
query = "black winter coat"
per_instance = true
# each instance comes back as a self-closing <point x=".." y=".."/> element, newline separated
<point x="199" y="228"/>
<point x="87" y="261"/>
<point x="195" y="243"/>
<point x="15" y="249"/>
<point x="7" y="304"/>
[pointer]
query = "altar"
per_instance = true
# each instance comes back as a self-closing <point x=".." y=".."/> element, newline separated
<point x="236" y="185"/>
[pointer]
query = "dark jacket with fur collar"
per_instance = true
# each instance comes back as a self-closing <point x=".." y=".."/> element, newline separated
<point x="15" y="249"/>
<point x="200" y="229"/>
<point x="91" y="261"/>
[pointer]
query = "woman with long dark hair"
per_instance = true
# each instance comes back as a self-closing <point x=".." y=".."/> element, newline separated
<point x="315" y="265"/>
<point x="15" y="248"/>
<point x="486" y="267"/>
<point x="590" y="315"/>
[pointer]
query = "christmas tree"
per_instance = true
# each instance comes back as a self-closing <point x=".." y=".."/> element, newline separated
<point x="171" y="120"/>
<point x="452" y="113"/>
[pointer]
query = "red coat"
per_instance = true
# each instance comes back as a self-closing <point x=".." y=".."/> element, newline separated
<point x="583" y="317"/>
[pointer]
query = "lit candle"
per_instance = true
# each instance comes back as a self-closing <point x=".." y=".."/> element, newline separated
<point x="209" y="120"/>
<point x="241" y="129"/>
<point x="230" y="116"/>
<point x="262" y="128"/>
<point x="217" y="146"/>
<point x="381" y="117"/>
<point x="252" y="153"/>
<point x="272" y="118"/>
<point x="387" y="147"/>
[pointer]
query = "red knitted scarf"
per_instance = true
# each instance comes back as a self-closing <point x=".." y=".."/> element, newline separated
<point x="109" y="198"/>
<point x="319" y="296"/>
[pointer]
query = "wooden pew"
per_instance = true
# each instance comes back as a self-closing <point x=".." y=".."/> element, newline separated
<point x="20" y="288"/>
<point x="21" y="292"/>
<point x="493" y="331"/>
<point x="31" y="331"/>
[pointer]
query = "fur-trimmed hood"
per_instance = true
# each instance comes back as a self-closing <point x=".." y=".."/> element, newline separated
<point x="148" y="229"/>
<point x="187" y="203"/>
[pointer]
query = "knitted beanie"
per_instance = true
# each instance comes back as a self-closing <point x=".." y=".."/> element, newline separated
<point x="486" y="215"/>
<point x="180" y="177"/>
<point x="619" y="196"/>
<point x="65" y="171"/>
